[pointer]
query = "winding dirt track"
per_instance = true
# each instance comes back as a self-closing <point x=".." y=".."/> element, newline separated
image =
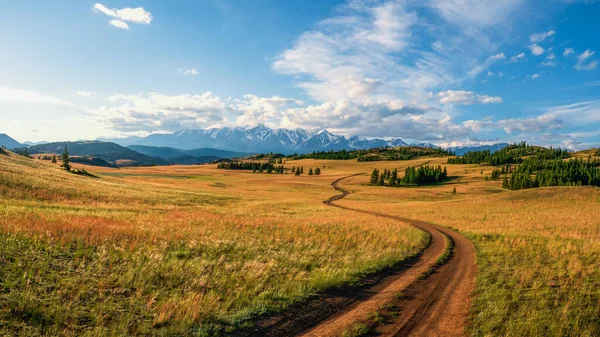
<point x="435" y="306"/>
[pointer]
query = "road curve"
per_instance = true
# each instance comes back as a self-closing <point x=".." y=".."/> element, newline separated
<point x="436" y="306"/>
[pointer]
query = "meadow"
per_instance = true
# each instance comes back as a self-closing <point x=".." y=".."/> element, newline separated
<point x="197" y="250"/>
<point x="174" y="250"/>
<point x="538" y="250"/>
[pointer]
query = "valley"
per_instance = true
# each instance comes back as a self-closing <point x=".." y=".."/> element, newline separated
<point x="208" y="251"/>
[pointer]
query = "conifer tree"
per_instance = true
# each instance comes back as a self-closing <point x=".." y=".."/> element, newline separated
<point x="317" y="171"/>
<point x="374" y="177"/>
<point x="298" y="172"/>
<point x="53" y="159"/>
<point x="310" y="172"/>
<point x="65" y="160"/>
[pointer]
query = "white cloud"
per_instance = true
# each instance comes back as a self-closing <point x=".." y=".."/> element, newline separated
<point x="264" y="110"/>
<point x="536" y="38"/>
<point x="157" y="112"/>
<point x="192" y="72"/>
<point x="488" y="63"/>
<point x="517" y="58"/>
<point x="583" y="62"/>
<point x="536" y="50"/>
<point x="83" y="93"/>
<point x="466" y="98"/>
<point x="568" y="51"/>
<point x="534" y="76"/>
<point x="482" y="13"/>
<point x="122" y="16"/>
<point x="119" y="24"/>
<point x="541" y="123"/>
<point x="27" y="96"/>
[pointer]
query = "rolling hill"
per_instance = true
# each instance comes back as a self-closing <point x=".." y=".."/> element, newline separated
<point x="8" y="142"/>
<point x="110" y="152"/>
<point x="186" y="157"/>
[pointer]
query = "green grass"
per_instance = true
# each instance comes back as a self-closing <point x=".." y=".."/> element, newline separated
<point x="535" y="286"/>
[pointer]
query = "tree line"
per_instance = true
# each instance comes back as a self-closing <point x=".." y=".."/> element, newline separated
<point x="509" y="155"/>
<point x="423" y="175"/>
<point x="265" y="167"/>
<point x="534" y="172"/>
<point x="253" y="166"/>
<point x="376" y="154"/>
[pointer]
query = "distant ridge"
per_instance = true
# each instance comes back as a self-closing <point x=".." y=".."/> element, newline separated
<point x="8" y="142"/>
<point x="110" y="152"/>
<point x="461" y="150"/>
<point x="186" y="157"/>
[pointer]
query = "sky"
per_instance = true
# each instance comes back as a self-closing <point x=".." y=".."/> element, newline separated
<point x="451" y="72"/>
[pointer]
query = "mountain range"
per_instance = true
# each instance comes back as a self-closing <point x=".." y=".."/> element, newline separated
<point x="195" y="146"/>
<point x="261" y="139"/>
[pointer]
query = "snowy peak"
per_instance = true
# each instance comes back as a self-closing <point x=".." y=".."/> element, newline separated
<point x="262" y="139"/>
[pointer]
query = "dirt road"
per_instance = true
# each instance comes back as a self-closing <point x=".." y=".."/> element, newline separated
<point x="434" y="306"/>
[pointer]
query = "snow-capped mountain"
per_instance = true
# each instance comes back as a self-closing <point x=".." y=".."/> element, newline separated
<point x="259" y="139"/>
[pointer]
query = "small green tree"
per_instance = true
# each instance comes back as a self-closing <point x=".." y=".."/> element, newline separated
<point x="310" y="172"/>
<point x="317" y="171"/>
<point x="302" y="170"/>
<point x="298" y="172"/>
<point x="374" y="177"/>
<point x="53" y="159"/>
<point x="454" y="190"/>
<point x="65" y="160"/>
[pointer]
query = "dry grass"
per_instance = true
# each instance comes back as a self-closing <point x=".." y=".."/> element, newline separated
<point x="538" y="250"/>
<point x="196" y="250"/>
<point x="173" y="250"/>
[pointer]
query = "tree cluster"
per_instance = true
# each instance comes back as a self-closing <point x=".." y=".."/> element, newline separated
<point x="534" y="172"/>
<point x="510" y="155"/>
<point x="23" y="152"/>
<point x="376" y="154"/>
<point x="423" y="175"/>
<point x="260" y="167"/>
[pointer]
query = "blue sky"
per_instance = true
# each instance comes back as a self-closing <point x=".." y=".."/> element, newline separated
<point x="453" y="72"/>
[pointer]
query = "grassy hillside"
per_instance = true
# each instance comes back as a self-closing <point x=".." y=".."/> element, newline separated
<point x="177" y="250"/>
<point x="110" y="152"/>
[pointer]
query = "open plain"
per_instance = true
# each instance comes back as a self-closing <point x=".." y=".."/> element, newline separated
<point x="197" y="250"/>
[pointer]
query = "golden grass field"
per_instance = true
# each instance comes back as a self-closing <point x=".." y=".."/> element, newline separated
<point x="174" y="250"/>
<point x="196" y="250"/>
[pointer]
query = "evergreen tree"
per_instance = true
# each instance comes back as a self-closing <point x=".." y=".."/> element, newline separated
<point x="454" y="190"/>
<point x="302" y="170"/>
<point x="53" y="159"/>
<point x="374" y="177"/>
<point x="381" y="180"/>
<point x="65" y="160"/>
<point x="298" y="172"/>
<point x="310" y="172"/>
<point x="317" y="171"/>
